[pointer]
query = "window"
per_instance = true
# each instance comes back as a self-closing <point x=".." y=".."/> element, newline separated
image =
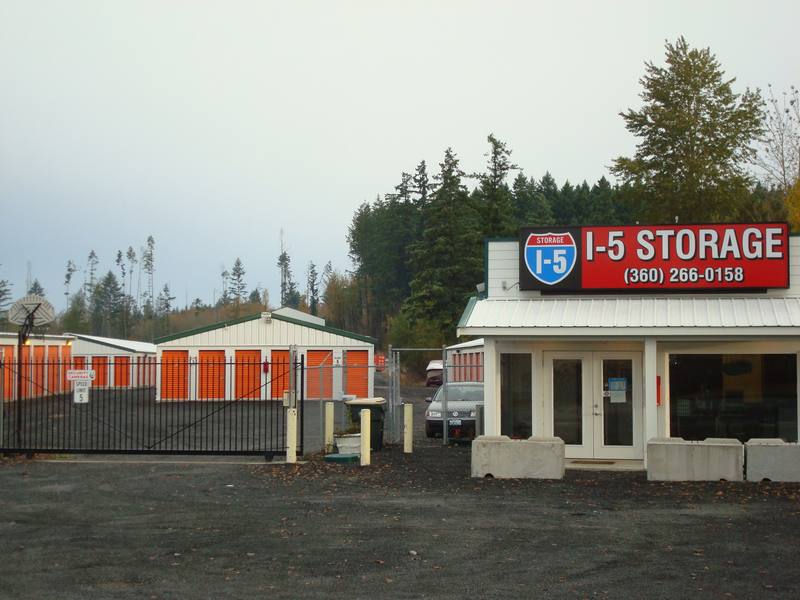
<point x="515" y="395"/>
<point x="740" y="396"/>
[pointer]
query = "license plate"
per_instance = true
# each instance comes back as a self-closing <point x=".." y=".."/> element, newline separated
<point x="455" y="421"/>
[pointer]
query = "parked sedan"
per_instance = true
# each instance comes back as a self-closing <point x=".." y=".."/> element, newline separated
<point x="463" y="400"/>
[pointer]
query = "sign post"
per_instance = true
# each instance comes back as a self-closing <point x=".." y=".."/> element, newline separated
<point x="81" y="381"/>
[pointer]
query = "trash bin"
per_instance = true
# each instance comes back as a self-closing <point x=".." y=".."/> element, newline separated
<point x="376" y="407"/>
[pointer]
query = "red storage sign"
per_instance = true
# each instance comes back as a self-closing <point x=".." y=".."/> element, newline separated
<point x="729" y="256"/>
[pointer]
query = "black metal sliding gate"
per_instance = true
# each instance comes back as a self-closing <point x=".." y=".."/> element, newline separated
<point x="139" y="406"/>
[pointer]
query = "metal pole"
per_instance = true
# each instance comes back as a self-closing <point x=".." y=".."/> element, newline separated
<point x="20" y="344"/>
<point x="445" y="427"/>
<point x="3" y="368"/>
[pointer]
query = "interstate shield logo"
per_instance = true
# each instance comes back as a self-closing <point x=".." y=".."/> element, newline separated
<point x="550" y="257"/>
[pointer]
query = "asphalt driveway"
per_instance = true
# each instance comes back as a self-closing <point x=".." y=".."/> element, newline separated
<point x="409" y="526"/>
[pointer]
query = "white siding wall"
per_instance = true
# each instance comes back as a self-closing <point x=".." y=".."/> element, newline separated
<point x="258" y="333"/>
<point x="504" y="267"/>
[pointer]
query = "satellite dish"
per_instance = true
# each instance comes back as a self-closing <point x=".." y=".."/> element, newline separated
<point x="42" y="311"/>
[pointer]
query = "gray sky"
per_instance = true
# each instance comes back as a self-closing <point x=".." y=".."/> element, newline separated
<point x="212" y="125"/>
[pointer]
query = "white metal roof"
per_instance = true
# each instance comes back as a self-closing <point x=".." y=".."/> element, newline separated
<point x="624" y="316"/>
<point x="129" y="345"/>
<point x="465" y="345"/>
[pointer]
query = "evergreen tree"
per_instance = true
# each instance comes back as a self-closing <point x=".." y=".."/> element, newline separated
<point x="36" y="288"/>
<point x="255" y="296"/>
<point x="447" y="259"/>
<point x="5" y="298"/>
<point x="695" y="139"/>
<point x="71" y="269"/>
<point x="224" y="298"/>
<point x="421" y="185"/>
<point x="237" y="288"/>
<point x="602" y="210"/>
<point x="312" y="293"/>
<point x="148" y="254"/>
<point x="76" y="318"/>
<point x="91" y="266"/>
<point x="496" y="203"/>
<point x="290" y="296"/>
<point x="164" y="301"/>
<point x="132" y="261"/>
<point x="564" y="212"/>
<point x="106" y="307"/>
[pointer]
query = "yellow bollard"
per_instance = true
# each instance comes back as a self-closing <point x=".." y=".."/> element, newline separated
<point x="365" y="434"/>
<point x="408" y="428"/>
<point x="328" y="427"/>
<point x="291" y="435"/>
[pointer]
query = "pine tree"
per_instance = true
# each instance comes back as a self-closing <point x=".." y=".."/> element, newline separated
<point x="106" y="307"/>
<point x="225" y="298"/>
<point x="76" y="318"/>
<point x="71" y="269"/>
<point x="5" y="296"/>
<point x="91" y="265"/>
<point x="237" y="288"/>
<point x="312" y="292"/>
<point x="148" y="254"/>
<point x="496" y="203"/>
<point x="290" y="296"/>
<point x="164" y="301"/>
<point x="447" y="260"/>
<point x="36" y="288"/>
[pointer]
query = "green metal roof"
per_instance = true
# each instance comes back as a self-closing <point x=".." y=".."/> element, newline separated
<point x="277" y="317"/>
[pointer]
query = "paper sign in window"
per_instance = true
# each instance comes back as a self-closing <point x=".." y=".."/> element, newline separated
<point x="618" y="389"/>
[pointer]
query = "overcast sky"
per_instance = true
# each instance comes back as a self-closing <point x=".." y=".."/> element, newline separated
<point x="214" y="125"/>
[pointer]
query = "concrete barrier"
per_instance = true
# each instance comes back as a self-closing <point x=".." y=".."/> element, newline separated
<point x="504" y="458"/>
<point x="675" y="459"/>
<point x="772" y="459"/>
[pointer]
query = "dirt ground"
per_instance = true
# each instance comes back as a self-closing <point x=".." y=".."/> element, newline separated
<point x="409" y="526"/>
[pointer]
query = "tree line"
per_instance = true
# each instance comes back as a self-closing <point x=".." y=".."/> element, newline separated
<point x="418" y="250"/>
<point x="704" y="153"/>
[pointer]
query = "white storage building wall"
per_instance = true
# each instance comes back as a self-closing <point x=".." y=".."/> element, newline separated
<point x="116" y="363"/>
<point x="226" y="360"/>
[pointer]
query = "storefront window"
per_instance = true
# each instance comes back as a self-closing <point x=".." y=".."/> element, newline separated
<point x="515" y="395"/>
<point x="741" y="396"/>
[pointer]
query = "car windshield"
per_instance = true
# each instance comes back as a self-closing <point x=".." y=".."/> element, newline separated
<point x="470" y="393"/>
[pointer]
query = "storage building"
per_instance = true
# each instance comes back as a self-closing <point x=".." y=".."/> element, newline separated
<point x="248" y="358"/>
<point x="116" y="363"/>
<point x="44" y="358"/>
<point x="608" y="337"/>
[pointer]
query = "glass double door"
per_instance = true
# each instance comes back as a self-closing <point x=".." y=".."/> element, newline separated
<point x="595" y="402"/>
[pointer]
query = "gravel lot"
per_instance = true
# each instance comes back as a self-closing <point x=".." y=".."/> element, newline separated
<point x="409" y="526"/>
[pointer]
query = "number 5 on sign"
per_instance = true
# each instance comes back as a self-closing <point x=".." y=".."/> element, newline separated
<point x="80" y="393"/>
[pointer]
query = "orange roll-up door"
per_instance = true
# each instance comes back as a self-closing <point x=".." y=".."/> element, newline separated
<point x="279" y="373"/>
<point x="7" y="354"/>
<point x="248" y="374"/>
<point x="357" y="373"/>
<point x="53" y="379"/>
<point x="175" y="375"/>
<point x="100" y="366"/>
<point x="122" y="371"/>
<point x="212" y="374"/>
<point x="38" y="371"/>
<point x="66" y="361"/>
<point x="319" y="374"/>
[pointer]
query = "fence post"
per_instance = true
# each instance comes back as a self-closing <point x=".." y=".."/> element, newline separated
<point x="365" y="437"/>
<point x="2" y="399"/>
<point x="408" y="428"/>
<point x="329" y="412"/>
<point x="291" y="435"/>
